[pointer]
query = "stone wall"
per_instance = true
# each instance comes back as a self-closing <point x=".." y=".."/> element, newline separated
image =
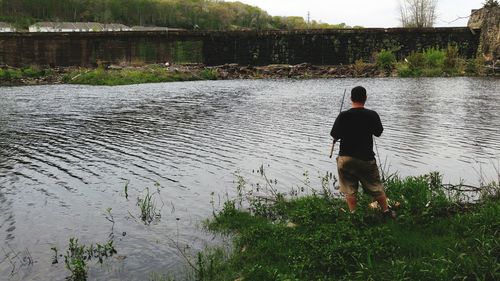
<point x="487" y="20"/>
<point x="89" y="49"/>
<point x="321" y="47"/>
<point x="341" y="46"/>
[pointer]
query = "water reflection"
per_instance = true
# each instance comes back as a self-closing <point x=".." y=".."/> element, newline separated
<point x="66" y="152"/>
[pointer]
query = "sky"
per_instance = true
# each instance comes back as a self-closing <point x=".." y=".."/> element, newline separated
<point x="367" y="13"/>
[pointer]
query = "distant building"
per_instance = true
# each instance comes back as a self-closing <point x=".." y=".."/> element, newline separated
<point x="116" y="27"/>
<point x="76" y="27"/>
<point x="5" y="27"/>
<point x="154" y="28"/>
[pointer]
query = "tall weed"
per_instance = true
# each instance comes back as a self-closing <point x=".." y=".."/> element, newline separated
<point x="434" y="58"/>
<point x="452" y="62"/>
<point x="386" y="60"/>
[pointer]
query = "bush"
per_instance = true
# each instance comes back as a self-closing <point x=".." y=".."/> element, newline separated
<point x="208" y="74"/>
<point x="360" y="66"/>
<point x="452" y="59"/>
<point x="434" y="58"/>
<point x="10" y="74"/>
<point x="433" y="62"/>
<point x="416" y="61"/>
<point x="33" y="72"/>
<point x="413" y="65"/>
<point x="4" y="74"/>
<point x="386" y="60"/>
<point x="432" y="72"/>
<point x="404" y="70"/>
<point x="474" y="66"/>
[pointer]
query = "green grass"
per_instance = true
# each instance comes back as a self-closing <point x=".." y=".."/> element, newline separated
<point x="149" y="74"/>
<point x="10" y="74"/>
<point x="434" y="237"/>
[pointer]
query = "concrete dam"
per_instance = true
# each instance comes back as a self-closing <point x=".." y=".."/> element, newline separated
<point x="320" y="47"/>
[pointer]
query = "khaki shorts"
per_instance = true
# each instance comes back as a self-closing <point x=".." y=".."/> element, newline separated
<point x="352" y="171"/>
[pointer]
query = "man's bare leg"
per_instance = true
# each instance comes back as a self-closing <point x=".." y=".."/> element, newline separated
<point x="382" y="202"/>
<point x="352" y="201"/>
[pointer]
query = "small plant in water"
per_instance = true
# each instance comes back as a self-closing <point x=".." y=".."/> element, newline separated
<point x="77" y="256"/>
<point x="148" y="208"/>
<point x="54" y="260"/>
<point x="240" y="187"/>
<point x="126" y="190"/>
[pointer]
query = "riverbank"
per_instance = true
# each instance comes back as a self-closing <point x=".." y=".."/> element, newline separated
<point x="436" y="235"/>
<point x="112" y="75"/>
<point x="122" y="75"/>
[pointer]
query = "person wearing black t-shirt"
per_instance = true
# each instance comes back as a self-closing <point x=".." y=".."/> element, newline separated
<point x="356" y="162"/>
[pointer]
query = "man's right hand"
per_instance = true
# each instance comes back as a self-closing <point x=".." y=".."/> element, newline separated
<point x="333" y="146"/>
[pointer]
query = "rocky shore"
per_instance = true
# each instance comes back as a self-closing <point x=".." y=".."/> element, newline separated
<point x="300" y="71"/>
<point x="187" y="72"/>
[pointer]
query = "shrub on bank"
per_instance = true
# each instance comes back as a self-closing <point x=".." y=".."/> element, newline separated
<point x="386" y="60"/>
<point x="9" y="74"/>
<point x="452" y="60"/>
<point x="434" y="62"/>
<point x="208" y="74"/>
<point x="415" y="62"/>
<point x="434" y="58"/>
<point x="435" y="237"/>
<point x="33" y="72"/>
<point x="474" y="67"/>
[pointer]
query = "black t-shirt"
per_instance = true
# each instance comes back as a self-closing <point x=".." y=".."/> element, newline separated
<point x="355" y="128"/>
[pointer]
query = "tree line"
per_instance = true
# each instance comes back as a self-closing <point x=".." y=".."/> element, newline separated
<point x="188" y="14"/>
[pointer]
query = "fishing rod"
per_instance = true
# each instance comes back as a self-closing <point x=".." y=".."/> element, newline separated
<point x="334" y="140"/>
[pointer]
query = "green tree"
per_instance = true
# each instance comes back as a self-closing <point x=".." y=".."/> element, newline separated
<point x="204" y="14"/>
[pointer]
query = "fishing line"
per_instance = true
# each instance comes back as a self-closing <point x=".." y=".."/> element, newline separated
<point x="379" y="163"/>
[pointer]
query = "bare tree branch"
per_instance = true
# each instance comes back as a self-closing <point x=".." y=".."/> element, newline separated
<point x="418" y="13"/>
<point x="460" y="18"/>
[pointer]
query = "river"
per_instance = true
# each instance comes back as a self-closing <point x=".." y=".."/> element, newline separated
<point x="67" y="152"/>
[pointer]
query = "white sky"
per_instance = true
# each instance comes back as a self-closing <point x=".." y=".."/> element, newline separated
<point x="367" y="13"/>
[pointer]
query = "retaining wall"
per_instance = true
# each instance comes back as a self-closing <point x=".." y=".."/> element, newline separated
<point x="322" y="47"/>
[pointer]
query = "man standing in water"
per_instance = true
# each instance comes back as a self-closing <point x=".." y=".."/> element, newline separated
<point x="356" y="162"/>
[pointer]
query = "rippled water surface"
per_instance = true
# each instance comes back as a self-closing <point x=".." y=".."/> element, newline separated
<point x="66" y="153"/>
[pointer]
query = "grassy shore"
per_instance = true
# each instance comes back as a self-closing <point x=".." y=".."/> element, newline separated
<point x="149" y="74"/>
<point x="436" y="236"/>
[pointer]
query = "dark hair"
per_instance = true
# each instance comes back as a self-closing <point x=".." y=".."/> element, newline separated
<point x="358" y="94"/>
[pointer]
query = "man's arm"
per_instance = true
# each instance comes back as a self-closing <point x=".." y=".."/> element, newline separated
<point x="377" y="126"/>
<point x="336" y="131"/>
